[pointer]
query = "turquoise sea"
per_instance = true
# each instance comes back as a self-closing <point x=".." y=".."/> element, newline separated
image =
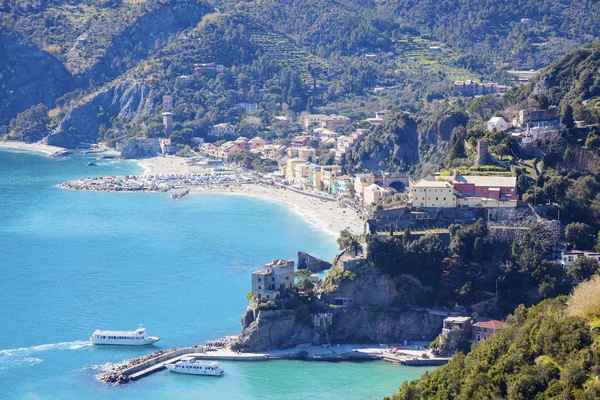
<point x="72" y="262"/>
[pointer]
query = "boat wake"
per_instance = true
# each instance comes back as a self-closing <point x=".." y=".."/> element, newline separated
<point x="19" y="361"/>
<point x="24" y="351"/>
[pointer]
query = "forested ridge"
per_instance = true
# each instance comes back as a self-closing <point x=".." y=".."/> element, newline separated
<point x="547" y="351"/>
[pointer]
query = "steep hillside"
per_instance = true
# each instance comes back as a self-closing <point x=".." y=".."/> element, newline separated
<point x="392" y="146"/>
<point x="542" y="353"/>
<point x="28" y="76"/>
<point x="573" y="79"/>
<point x="95" y="41"/>
<point x="518" y="33"/>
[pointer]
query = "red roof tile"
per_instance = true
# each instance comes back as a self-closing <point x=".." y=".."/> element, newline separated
<point x="494" y="324"/>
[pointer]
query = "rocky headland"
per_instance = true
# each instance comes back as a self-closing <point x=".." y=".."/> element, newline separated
<point x="366" y="306"/>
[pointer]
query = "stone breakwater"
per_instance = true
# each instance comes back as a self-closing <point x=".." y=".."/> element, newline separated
<point x="122" y="373"/>
<point x="153" y="183"/>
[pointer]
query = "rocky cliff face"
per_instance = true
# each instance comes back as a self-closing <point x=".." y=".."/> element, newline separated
<point x="80" y="125"/>
<point x="371" y="288"/>
<point x="382" y="312"/>
<point x="277" y="329"/>
<point x="383" y="325"/>
<point x="28" y="76"/>
<point x="306" y="261"/>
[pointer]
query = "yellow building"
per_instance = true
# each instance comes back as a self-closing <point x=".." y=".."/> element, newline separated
<point x="315" y="178"/>
<point x="361" y="181"/>
<point x="328" y="175"/>
<point x="433" y="194"/>
<point x="290" y="170"/>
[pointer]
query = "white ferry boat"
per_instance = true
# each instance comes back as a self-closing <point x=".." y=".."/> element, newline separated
<point x="189" y="365"/>
<point x="139" y="337"/>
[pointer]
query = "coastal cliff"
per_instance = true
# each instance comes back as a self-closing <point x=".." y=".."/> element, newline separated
<point x="28" y="76"/>
<point x="273" y="329"/>
<point x="127" y="100"/>
<point x="366" y="306"/>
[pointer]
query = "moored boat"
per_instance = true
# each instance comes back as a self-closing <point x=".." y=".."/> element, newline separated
<point x="189" y="365"/>
<point x="139" y="337"/>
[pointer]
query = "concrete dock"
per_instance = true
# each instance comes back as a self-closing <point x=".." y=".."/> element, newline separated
<point x="309" y="353"/>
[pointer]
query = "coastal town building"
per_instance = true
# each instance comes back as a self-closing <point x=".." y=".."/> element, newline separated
<point x="361" y="181"/>
<point x="532" y="118"/>
<point x="331" y="122"/>
<point x="208" y="68"/>
<point x="345" y="143"/>
<point x="497" y="123"/>
<point x="378" y="120"/>
<point x="483" y="330"/>
<point x="341" y="185"/>
<point x="248" y="107"/>
<point x="300" y="141"/>
<point x="466" y="191"/>
<point x="324" y="134"/>
<point x="373" y="193"/>
<point x="322" y="319"/>
<point x="472" y="88"/>
<point x="272" y="279"/>
<point x="456" y="330"/>
<point x="257" y="142"/>
<point x="439" y="194"/>
<point x="139" y="147"/>
<point x="486" y="191"/>
<point x="315" y="177"/>
<point x="300" y="175"/>
<point x="222" y="129"/>
<point x="305" y="153"/>
<point x="313" y="120"/>
<point x="337" y="122"/>
<point x="290" y="168"/>
<point x="166" y="147"/>
<point x="568" y="257"/>
<point x="275" y="152"/>
<point x="329" y="173"/>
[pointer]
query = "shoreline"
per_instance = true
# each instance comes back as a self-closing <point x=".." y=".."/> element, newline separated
<point x="327" y="216"/>
<point x="32" y="147"/>
<point x="137" y="368"/>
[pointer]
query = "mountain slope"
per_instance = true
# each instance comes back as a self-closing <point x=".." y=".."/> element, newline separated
<point x="543" y="352"/>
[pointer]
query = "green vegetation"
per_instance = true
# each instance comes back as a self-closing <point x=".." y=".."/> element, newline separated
<point x="31" y="124"/>
<point x="542" y="352"/>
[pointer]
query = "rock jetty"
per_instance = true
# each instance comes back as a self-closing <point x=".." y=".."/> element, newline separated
<point x="153" y="183"/>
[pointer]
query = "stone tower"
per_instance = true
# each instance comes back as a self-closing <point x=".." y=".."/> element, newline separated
<point x="168" y="123"/>
<point x="167" y="103"/>
<point x="483" y="154"/>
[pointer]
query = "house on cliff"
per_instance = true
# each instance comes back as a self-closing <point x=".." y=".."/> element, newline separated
<point x="275" y="276"/>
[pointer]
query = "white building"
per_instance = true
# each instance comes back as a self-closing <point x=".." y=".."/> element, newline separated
<point x="221" y="130"/>
<point x="433" y="194"/>
<point x="568" y="257"/>
<point x="497" y="123"/>
<point x="274" y="277"/>
<point x="248" y="106"/>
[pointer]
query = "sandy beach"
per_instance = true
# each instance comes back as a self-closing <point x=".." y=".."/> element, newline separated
<point x="329" y="216"/>
<point x="39" y="147"/>
<point x="163" y="165"/>
<point x="326" y="215"/>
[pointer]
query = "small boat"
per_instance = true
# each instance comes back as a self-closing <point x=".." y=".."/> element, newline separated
<point x="189" y="365"/>
<point x="91" y="164"/>
<point x="139" y="337"/>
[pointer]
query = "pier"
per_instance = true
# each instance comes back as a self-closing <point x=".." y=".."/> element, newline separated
<point x="139" y="368"/>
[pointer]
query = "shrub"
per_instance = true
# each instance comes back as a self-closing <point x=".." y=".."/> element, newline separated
<point x="584" y="301"/>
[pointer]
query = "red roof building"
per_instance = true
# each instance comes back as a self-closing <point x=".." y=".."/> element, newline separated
<point x="483" y="330"/>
